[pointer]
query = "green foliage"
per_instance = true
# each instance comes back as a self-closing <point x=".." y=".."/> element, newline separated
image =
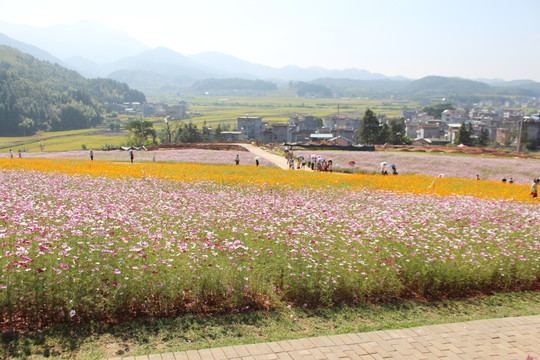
<point x="398" y="133"/>
<point x="185" y="333"/>
<point x="384" y="134"/>
<point x="370" y="128"/>
<point x="188" y="134"/>
<point x="109" y="147"/>
<point x="39" y="96"/>
<point x="483" y="138"/>
<point x="143" y="133"/>
<point x="233" y="84"/>
<point x="310" y="89"/>
<point x="437" y="109"/>
<point x="531" y="144"/>
<point x="439" y="85"/>
<point x="112" y="91"/>
<point x="464" y="135"/>
<point x="510" y="137"/>
<point x="170" y="128"/>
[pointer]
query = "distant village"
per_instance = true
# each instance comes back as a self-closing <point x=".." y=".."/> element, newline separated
<point x="424" y="130"/>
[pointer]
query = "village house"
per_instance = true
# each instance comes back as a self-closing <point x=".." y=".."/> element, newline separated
<point x="341" y="141"/>
<point x="233" y="136"/>
<point x="454" y="117"/>
<point x="532" y="126"/>
<point x="282" y="132"/>
<point x="251" y="126"/>
<point x="341" y="122"/>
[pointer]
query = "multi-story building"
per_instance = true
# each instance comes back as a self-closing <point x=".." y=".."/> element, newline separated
<point x="252" y="126"/>
<point x="454" y="117"/>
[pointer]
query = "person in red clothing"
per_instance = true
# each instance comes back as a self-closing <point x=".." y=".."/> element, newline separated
<point x="534" y="188"/>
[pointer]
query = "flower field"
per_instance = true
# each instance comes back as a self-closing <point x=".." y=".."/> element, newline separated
<point x="200" y="156"/>
<point x="89" y="241"/>
<point x="457" y="166"/>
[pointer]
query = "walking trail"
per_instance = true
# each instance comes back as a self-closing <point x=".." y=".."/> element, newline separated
<point x="278" y="160"/>
<point x="513" y="338"/>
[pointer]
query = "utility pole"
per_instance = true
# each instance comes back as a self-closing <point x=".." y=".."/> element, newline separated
<point x="142" y="131"/>
<point x="520" y="132"/>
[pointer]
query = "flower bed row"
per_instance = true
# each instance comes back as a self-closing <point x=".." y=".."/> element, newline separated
<point x="77" y="247"/>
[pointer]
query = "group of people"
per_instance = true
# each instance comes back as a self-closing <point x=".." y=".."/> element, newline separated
<point x="313" y="162"/>
<point x="318" y="163"/>
<point x="504" y="180"/>
<point x="384" y="167"/>
<point x="11" y="153"/>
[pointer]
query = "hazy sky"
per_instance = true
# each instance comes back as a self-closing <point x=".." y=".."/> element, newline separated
<point x="413" y="38"/>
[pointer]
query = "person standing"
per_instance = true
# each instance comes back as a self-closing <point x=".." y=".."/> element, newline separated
<point x="534" y="188"/>
<point x="92" y="155"/>
<point x="11" y="153"/>
<point x="237" y="159"/>
<point x="131" y="155"/>
<point x="257" y="161"/>
<point x="20" y="154"/>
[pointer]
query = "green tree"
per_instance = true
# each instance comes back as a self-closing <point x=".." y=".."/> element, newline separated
<point x="463" y="135"/>
<point x="398" y="132"/>
<point x="483" y="138"/>
<point x="369" y="128"/>
<point x="510" y="137"/>
<point x="188" y="134"/>
<point x="143" y="132"/>
<point x="384" y="134"/>
<point x="206" y="134"/>
<point x="169" y="130"/>
<point x="437" y="109"/>
<point x="217" y="133"/>
<point x="531" y="144"/>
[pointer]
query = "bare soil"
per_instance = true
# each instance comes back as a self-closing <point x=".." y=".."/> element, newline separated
<point x="204" y="146"/>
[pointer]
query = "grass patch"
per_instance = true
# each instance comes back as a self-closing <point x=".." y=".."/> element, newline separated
<point x="63" y="140"/>
<point x="197" y="332"/>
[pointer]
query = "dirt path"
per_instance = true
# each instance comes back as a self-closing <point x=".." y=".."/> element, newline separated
<point x="278" y="160"/>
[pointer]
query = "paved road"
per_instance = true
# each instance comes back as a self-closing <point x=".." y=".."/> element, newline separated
<point x="505" y="339"/>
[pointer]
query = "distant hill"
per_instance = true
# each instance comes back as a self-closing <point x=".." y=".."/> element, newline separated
<point x="37" y="95"/>
<point x="237" y="85"/>
<point x="350" y="87"/>
<point x="439" y="85"/>
<point x="30" y="49"/>
<point x="428" y="86"/>
<point x="95" y="50"/>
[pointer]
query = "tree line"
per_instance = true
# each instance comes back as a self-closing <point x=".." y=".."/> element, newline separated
<point x="39" y="96"/>
<point x="392" y="132"/>
<point x="144" y="133"/>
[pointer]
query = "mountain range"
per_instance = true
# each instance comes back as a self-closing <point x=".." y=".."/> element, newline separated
<point x="95" y="50"/>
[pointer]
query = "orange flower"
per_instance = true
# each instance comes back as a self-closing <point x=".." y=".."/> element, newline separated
<point x="273" y="177"/>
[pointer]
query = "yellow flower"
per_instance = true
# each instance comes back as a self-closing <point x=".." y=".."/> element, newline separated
<point x="273" y="177"/>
